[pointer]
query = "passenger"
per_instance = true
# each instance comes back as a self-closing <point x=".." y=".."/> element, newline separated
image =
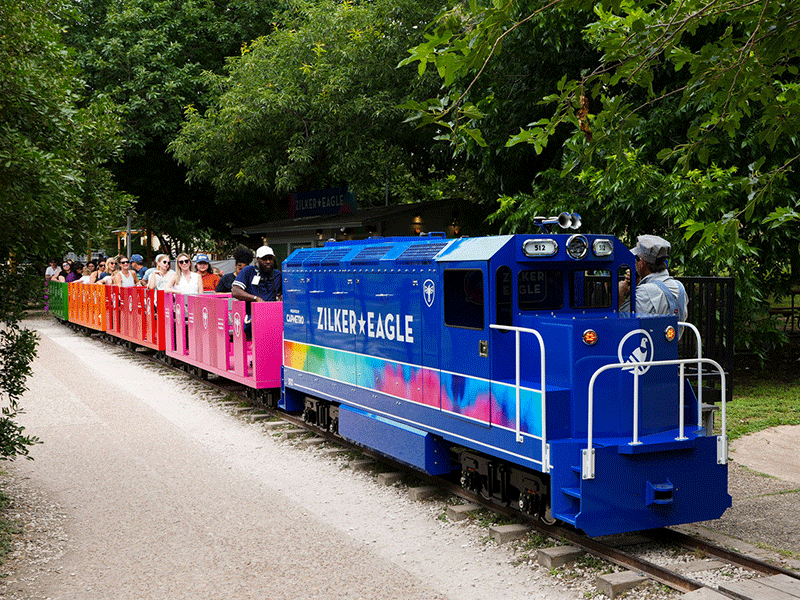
<point x="106" y="276"/>
<point x="65" y="272"/>
<point x="261" y="283"/>
<point x="210" y="279"/>
<point x="87" y="275"/>
<point x="656" y="291"/>
<point x="125" y="277"/>
<point x="242" y="257"/>
<point x="137" y="265"/>
<point x="161" y="277"/>
<point x="73" y="273"/>
<point x="92" y="264"/>
<point x="52" y="270"/>
<point x="184" y="280"/>
<point x="146" y="277"/>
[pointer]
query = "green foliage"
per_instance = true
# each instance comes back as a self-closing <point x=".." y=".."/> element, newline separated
<point x="51" y="150"/>
<point x="681" y="120"/>
<point x="148" y="56"/>
<point x="314" y="104"/>
<point x="17" y="350"/>
<point x="148" y="59"/>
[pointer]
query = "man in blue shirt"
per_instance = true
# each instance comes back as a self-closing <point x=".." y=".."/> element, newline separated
<point x="137" y="264"/>
<point x="656" y="291"/>
<point x="259" y="283"/>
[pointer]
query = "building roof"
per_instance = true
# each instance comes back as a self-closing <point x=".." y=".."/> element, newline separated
<point x="290" y="229"/>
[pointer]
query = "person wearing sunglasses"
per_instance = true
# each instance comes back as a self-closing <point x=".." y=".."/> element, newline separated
<point x="66" y="275"/>
<point x="125" y="277"/>
<point x="105" y="275"/>
<point x="185" y="281"/>
<point x="161" y="278"/>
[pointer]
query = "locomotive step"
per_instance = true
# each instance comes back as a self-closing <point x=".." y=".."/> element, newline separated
<point x="571" y="518"/>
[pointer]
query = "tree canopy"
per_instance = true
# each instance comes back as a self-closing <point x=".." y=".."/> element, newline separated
<point x="315" y="104"/>
<point x="149" y="58"/>
<point x="680" y="120"/>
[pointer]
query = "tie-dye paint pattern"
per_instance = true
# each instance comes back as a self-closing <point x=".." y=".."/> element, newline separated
<point x="489" y="402"/>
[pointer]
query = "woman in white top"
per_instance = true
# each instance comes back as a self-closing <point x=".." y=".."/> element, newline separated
<point x="106" y="277"/>
<point x="125" y="277"/>
<point x="162" y="277"/>
<point x="185" y="281"/>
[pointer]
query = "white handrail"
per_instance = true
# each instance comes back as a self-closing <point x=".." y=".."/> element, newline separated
<point x="699" y="371"/>
<point x="517" y="331"/>
<point x="588" y="453"/>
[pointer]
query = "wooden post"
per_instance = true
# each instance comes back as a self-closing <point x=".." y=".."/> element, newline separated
<point x="149" y="225"/>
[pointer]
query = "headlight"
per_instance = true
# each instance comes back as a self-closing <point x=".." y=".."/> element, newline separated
<point x="577" y="247"/>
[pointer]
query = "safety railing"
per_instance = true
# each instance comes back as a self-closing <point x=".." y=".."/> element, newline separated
<point x="587" y="470"/>
<point x="699" y="345"/>
<point x="517" y="371"/>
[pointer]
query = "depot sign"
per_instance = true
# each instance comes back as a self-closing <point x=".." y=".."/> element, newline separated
<point x="333" y="201"/>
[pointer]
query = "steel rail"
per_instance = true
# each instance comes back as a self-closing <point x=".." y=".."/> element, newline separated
<point x="735" y="558"/>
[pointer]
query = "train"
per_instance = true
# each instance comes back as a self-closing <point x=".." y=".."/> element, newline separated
<point x="502" y="361"/>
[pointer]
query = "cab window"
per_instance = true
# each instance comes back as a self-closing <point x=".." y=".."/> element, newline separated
<point x="504" y="286"/>
<point x="590" y="289"/>
<point x="463" y="298"/>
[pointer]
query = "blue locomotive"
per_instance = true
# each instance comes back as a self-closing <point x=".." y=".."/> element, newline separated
<point x="506" y="358"/>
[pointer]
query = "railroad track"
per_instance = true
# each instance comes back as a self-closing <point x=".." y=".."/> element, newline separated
<point x="781" y="583"/>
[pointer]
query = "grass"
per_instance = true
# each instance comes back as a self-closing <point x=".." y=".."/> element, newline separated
<point x="761" y="406"/>
<point x="765" y="396"/>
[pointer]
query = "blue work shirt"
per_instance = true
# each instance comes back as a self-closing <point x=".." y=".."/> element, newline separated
<point x="266" y="287"/>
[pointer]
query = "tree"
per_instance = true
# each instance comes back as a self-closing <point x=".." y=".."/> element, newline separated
<point x="52" y="184"/>
<point x="149" y="57"/>
<point x="314" y="105"/>
<point x="684" y="115"/>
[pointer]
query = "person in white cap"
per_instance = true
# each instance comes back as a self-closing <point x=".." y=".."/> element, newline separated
<point x="656" y="291"/>
<point x="260" y="283"/>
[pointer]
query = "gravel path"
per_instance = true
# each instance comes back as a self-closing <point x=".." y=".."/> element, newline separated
<point x="143" y="488"/>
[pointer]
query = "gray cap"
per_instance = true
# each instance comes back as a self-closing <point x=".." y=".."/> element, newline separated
<point x="651" y="248"/>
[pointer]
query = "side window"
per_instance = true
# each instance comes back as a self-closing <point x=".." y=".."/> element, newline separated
<point x="504" y="287"/>
<point x="623" y="273"/>
<point x="591" y="289"/>
<point x="540" y="290"/>
<point x="463" y="298"/>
